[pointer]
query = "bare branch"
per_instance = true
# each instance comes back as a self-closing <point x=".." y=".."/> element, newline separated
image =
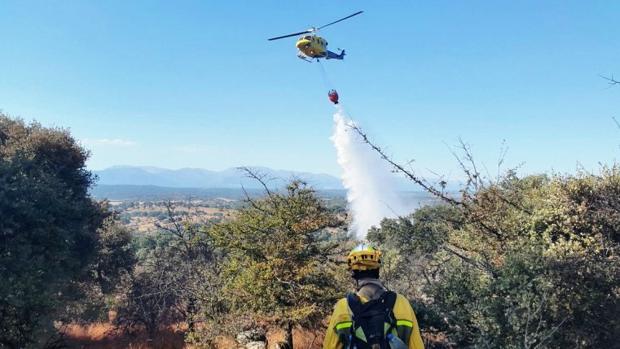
<point x="616" y="121"/>
<point x="251" y="201"/>
<point x="502" y="157"/>
<point x="409" y="174"/>
<point x="470" y="169"/>
<point x="260" y="177"/>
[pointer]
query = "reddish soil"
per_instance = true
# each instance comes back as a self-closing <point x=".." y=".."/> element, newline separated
<point x="105" y="336"/>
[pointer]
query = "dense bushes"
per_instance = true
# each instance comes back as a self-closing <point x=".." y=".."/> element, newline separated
<point x="529" y="262"/>
<point x="520" y="262"/>
<point x="50" y="230"/>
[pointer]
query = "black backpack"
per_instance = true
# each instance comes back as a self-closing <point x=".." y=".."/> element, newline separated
<point x="372" y="321"/>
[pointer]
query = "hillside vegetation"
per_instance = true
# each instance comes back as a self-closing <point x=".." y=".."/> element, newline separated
<point x="512" y="263"/>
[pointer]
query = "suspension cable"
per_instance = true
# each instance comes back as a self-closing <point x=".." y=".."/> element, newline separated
<point x="326" y="80"/>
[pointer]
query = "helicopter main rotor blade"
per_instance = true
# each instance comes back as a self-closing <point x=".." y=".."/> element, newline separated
<point x="289" y="35"/>
<point x="341" y="19"/>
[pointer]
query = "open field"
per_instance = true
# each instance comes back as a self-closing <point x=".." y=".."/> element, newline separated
<point x="145" y="217"/>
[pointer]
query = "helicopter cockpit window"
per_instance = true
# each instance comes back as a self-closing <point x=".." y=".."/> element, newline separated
<point x="307" y="37"/>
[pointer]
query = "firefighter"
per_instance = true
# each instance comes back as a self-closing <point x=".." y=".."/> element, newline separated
<point x="372" y="317"/>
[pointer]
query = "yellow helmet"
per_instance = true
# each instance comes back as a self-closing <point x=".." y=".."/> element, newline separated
<point x="364" y="257"/>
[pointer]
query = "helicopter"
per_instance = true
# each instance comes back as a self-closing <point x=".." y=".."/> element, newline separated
<point x="313" y="46"/>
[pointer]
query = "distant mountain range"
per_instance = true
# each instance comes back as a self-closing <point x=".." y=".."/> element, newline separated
<point x="152" y="183"/>
<point x="123" y="192"/>
<point x="232" y="178"/>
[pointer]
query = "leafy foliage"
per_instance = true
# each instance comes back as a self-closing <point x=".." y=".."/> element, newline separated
<point x="61" y="252"/>
<point x="48" y="226"/>
<point x="276" y="264"/>
<point x="529" y="262"/>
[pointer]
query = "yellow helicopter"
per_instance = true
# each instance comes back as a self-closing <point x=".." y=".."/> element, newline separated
<point x="313" y="46"/>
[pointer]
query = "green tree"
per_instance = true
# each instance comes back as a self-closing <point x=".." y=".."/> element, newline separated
<point x="93" y="295"/>
<point x="114" y="257"/>
<point x="277" y="268"/>
<point x="48" y="226"/>
<point x="530" y="262"/>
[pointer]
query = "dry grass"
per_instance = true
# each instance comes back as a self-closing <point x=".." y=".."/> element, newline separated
<point x="105" y="336"/>
<point x="96" y="331"/>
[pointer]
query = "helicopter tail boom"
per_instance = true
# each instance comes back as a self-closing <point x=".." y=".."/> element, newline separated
<point x="332" y="55"/>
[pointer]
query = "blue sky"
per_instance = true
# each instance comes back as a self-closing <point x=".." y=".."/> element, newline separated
<point x="196" y="83"/>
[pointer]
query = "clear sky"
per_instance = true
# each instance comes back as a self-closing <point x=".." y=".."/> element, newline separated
<point x="196" y="84"/>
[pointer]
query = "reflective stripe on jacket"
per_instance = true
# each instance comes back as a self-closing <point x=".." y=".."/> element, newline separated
<point x="339" y="330"/>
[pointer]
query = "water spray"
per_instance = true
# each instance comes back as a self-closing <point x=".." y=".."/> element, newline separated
<point x="371" y="192"/>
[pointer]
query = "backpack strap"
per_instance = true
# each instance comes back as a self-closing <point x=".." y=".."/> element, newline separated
<point x="354" y="302"/>
<point x="347" y="334"/>
<point x="401" y="328"/>
<point x="388" y="298"/>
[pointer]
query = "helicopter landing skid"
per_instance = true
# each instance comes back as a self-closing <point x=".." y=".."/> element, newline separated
<point x="303" y="57"/>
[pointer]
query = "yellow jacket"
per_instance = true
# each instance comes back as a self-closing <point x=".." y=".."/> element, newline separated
<point x="405" y="320"/>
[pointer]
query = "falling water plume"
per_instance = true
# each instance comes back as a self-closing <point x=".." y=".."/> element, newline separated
<point x="371" y="191"/>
